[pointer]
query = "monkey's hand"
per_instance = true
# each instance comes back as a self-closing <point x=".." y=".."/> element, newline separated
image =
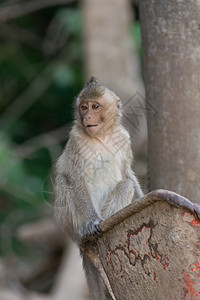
<point x="90" y="231"/>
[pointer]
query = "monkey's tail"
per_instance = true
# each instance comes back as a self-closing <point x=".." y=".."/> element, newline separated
<point x="94" y="281"/>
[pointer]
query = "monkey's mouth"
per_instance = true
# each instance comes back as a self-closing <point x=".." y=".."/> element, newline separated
<point x="92" y="125"/>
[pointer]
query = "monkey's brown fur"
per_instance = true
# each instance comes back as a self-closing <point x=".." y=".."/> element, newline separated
<point x="94" y="178"/>
<point x="93" y="89"/>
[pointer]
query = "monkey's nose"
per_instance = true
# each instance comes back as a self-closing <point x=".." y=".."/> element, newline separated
<point x="88" y="116"/>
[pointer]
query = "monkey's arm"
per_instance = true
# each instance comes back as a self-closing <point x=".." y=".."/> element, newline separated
<point x="138" y="193"/>
<point x="121" y="196"/>
<point x="73" y="207"/>
<point x="125" y="192"/>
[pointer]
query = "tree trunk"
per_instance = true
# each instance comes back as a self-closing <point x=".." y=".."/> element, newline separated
<point x="150" y="249"/>
<point x="171" y="57"/>
<point x="108" y="47"/>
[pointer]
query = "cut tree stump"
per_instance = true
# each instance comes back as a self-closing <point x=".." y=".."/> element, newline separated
<point x="151" y="249"/>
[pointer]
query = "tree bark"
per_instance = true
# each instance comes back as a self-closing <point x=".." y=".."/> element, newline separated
<point x="171" y="58"/>
<point x="150" y="249"/>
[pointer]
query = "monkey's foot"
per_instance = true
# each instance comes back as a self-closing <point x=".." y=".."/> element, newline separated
<point x="91" y="231"/>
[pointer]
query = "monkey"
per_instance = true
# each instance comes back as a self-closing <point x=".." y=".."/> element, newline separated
<point x="93" y="176"/>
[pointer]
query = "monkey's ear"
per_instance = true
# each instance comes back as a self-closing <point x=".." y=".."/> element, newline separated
<point x="119" y="112"/>
<point x="119" y="107"/>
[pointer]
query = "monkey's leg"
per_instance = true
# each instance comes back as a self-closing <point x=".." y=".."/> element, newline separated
<point x="93" y="279"/>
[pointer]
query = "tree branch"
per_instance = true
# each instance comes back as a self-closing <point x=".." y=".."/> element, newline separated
<point x="44" y="140"/>
<point x="21" y="35"/>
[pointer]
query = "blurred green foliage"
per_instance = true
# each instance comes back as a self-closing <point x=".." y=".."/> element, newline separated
<point x="41" y="71"/>
<point x="136" y="34"/>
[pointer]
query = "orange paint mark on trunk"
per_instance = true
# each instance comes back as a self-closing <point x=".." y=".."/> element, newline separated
<point x="155" y="275"/>
<point x="191" y="218"/>
<point x="191" y="281"/>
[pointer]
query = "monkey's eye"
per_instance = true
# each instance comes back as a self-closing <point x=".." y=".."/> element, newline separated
<point x="83" y="107"/>
<point x="95" y="106"/>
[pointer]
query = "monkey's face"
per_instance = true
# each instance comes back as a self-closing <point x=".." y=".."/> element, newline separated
<point x="98" y="115"/>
